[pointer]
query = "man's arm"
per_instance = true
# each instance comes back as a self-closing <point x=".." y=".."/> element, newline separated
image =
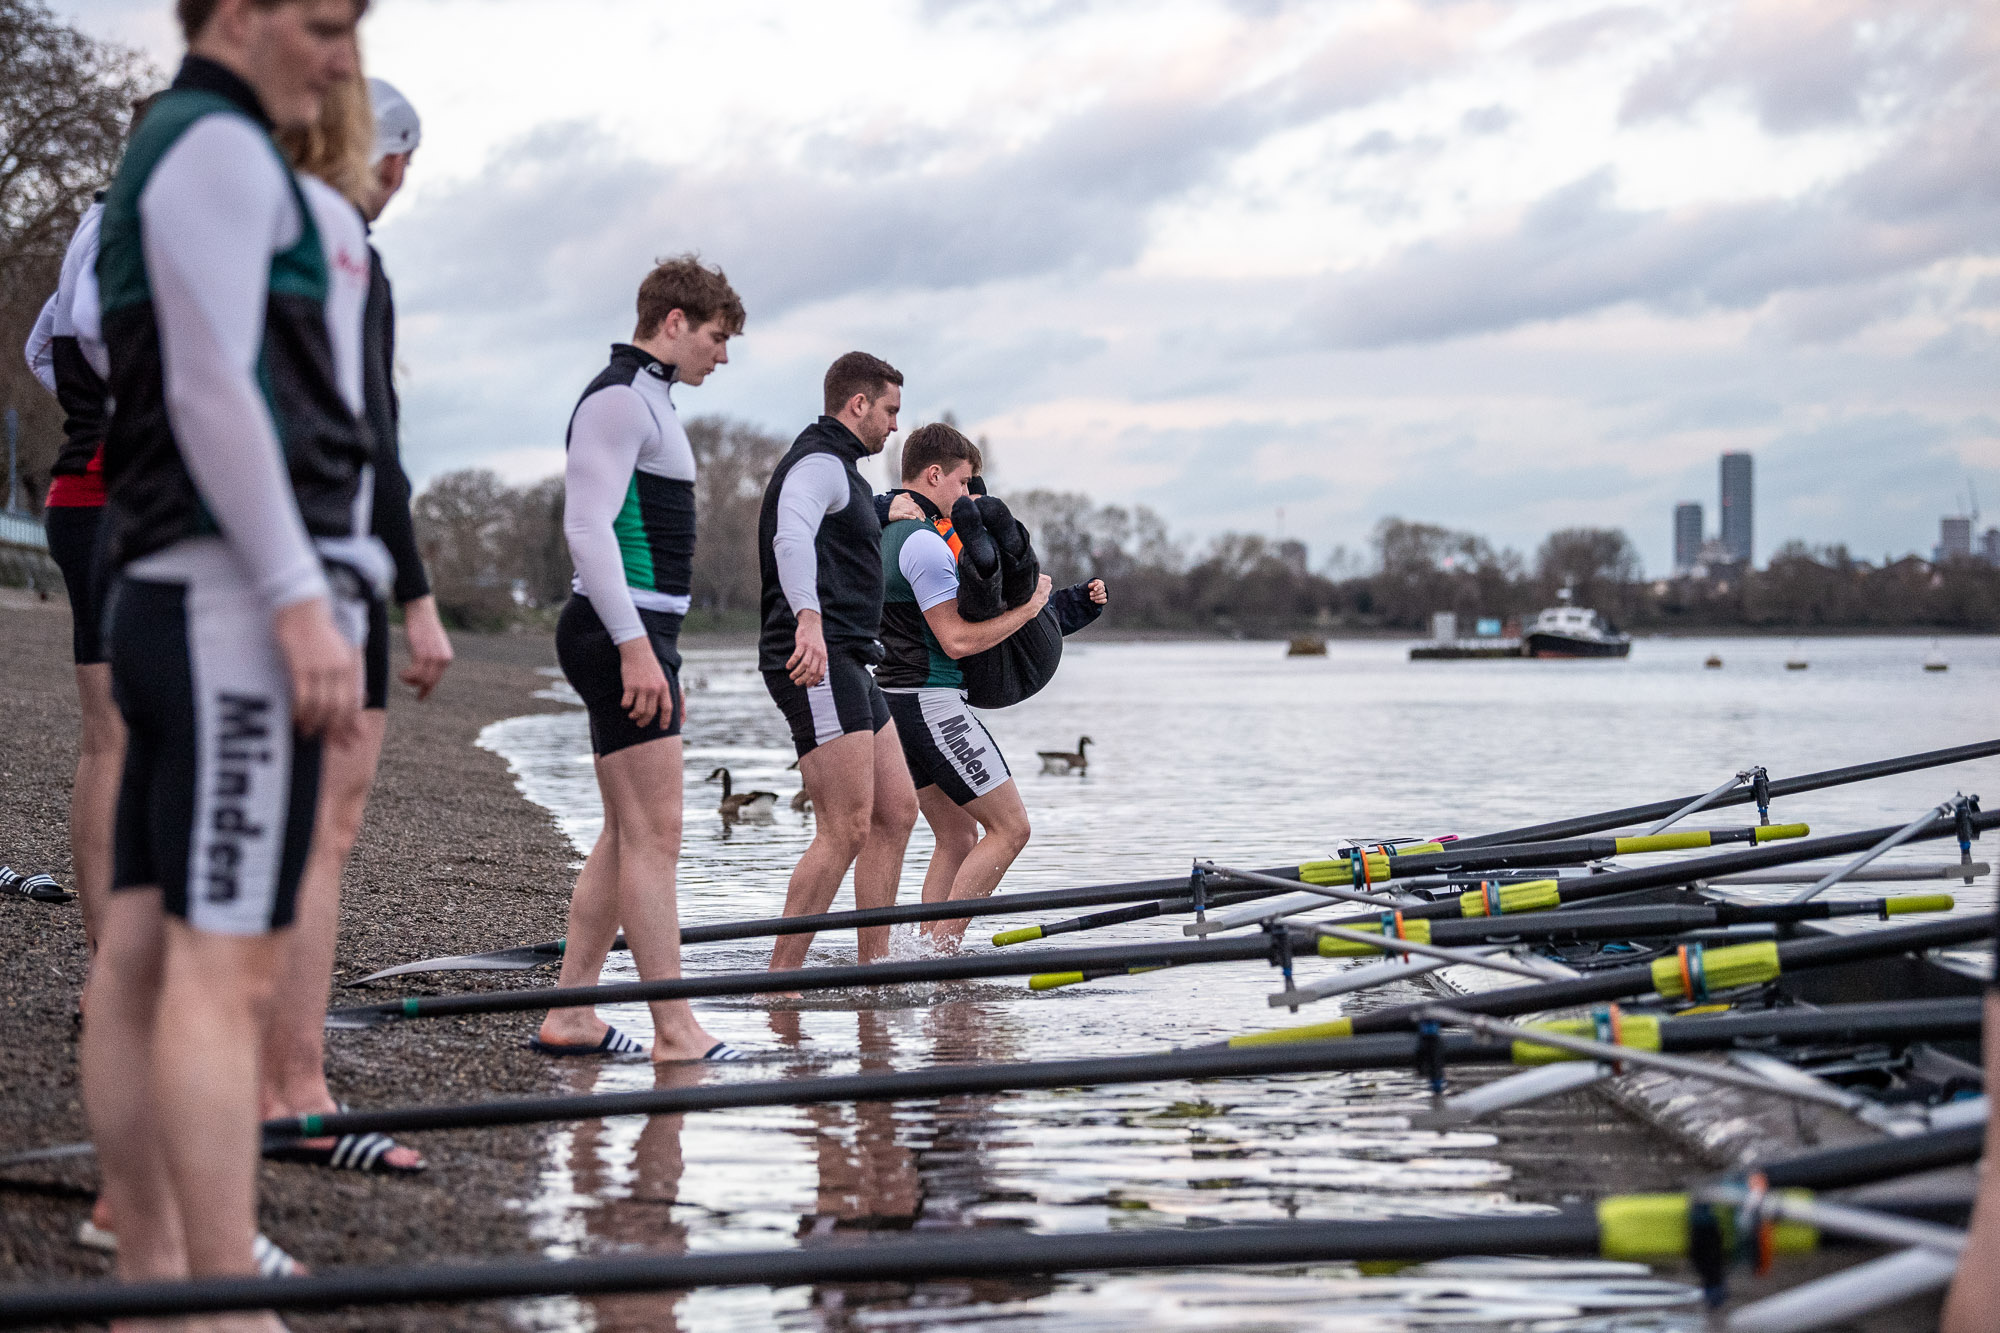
<point x="605" y="437"/>
<point x="960" y="637"/>
<point x="208" y="227"/>
<point x="209" y="216"/>
<point x="391" y="520"/>
<point x="815" y="487"/>
<point x="926" y="561"/>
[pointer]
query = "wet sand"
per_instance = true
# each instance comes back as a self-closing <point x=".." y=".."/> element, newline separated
<point x="451" y="860"/>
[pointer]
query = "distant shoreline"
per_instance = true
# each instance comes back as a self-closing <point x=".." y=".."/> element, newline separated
<point x="717" y="640"/>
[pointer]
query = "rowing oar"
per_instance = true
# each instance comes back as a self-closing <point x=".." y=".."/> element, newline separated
<point x="1277" y="946"/>
<point x="1368" y="869"/>
<point x="526" y="956"/>
<point x="1542" y="895"/>
<point x="1852" y="1024"/>
<point x="1577" y="926"/>
<point x="964" y="968"/>
<point x="1644" y="1227"/>
<point x="1805" y="782"/>
<point x="1689" y="973"/>
<point x="535" y="955"/>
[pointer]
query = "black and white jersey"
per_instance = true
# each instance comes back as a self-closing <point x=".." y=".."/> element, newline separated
<point x="628" y="494"/>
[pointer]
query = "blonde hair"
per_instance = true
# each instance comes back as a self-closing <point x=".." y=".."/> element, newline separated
<point x="340" y="147"/>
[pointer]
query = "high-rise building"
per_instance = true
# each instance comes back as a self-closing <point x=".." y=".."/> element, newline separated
<point x="1736" y="508"/>
<point x="1989" y="546"/>
<point x="1687" y="537"/>
<point x="1954" y="538"/>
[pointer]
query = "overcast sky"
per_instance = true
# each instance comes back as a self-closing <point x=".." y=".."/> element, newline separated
<point x="1507" y="267"/>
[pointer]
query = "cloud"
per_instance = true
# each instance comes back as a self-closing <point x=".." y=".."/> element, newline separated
<point x="1930" y="195"/>
<point x="1487" y="119"/>
<point x="1809" y="64"/>
<point x="1829" y="314"/>
<point x="1569" y="40"/>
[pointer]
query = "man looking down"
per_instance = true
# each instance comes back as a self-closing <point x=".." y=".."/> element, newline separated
<point x="239" y="478"/>
<point x="819" y="551"/>
<point x="963" y="784"/>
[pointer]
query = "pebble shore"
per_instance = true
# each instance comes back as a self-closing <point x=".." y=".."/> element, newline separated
<point x="452" y="859"/>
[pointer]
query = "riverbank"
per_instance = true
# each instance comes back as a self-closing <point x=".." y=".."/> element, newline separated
<point x="451" y="859"/>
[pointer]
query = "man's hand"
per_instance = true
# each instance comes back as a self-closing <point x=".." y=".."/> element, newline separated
<point x="903" y="507"/>
<point x="1043" y="587"/>
<point x="430" y="648"/>
<point x="807" y="664"/>
<point x="1097" y="592"/>
<point x="323" y="667"/>
<point x="646" y="695"/>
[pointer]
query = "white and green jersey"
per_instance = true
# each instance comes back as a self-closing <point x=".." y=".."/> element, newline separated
<point x="628" y="494"/>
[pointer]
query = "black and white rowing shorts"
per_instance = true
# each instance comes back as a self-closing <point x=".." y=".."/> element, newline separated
<point x="593" y="668"/>
<point x="847" y="699"/>
<point x="946" y="745"/>
<point x="216" y="806"/>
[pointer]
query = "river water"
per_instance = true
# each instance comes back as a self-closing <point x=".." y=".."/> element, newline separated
<point x="1224" y="750"/>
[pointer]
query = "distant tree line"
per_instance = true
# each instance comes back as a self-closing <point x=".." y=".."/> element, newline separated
<point x="497" y="557"/>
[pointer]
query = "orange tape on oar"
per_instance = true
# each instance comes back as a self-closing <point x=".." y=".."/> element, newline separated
<point x="1392" y="921"/>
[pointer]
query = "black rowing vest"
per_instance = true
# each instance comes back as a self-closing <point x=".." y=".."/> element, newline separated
<point x="847" y="551"/>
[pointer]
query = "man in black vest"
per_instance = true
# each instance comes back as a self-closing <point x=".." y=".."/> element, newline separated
<point x="819" y="546"/>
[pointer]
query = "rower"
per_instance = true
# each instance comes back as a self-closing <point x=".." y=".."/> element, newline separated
<point x="350" y="168"/>
<point x="819" y="551"/>
<point x="238" y="478"/>
<point x="962" y="780"/>
<point x="629" y="514"/>
<point x="66" y="352"/>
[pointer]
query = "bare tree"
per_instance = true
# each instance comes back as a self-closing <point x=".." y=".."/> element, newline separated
<point x="465" y="528"/>
<point x="733" y="463"/>
<point x="65" y="100"/>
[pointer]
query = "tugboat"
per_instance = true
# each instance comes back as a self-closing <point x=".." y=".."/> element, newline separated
<point x="1573" y="631"/>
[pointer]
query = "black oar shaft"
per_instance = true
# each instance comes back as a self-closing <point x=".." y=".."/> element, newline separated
<point x="1805" y="782"/>
<point x="985" y="1253"/>
<point x="1000" y="904"/>
<point x="1931" y="1020"/>
<point x="1866" y="1163"/>
<point x="970" y="967"/>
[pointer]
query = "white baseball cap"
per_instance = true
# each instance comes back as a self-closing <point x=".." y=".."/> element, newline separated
<point x="397" y="129"/>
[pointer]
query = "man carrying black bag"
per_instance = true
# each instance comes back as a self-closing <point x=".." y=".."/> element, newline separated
<point x="944" y="608"/>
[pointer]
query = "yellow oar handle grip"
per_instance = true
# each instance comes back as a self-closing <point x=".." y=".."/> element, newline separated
<point x="1019" y="936"/>
<point x="1777" y="832"/>
<point x="1693" y="972"/>
<point x="1051" y="980"/>
<point x="1656" y="1226"/>
<point x="1341" y="872"/>
<point x="1536" y="895"/>
<point x="1337" y="1029"/>
<point x="1418" y="930"/>
<point x="1918" y="902"/>
<point x="1639" y="1032"/>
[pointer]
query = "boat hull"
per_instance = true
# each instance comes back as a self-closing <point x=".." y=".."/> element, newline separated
<point x="1541" y="643"/>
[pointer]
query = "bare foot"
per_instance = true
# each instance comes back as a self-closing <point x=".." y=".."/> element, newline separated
<point x="691" y="1047"/>
<point x="572" y="1027"/>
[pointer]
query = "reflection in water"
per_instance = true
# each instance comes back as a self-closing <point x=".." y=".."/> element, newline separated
<point x="1359" y="743"/>
<point x="642" y="1173"/>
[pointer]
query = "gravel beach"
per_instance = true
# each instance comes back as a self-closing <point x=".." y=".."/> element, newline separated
<point x="452" y="859"/>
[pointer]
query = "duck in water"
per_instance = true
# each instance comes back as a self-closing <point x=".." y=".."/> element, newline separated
<point x="1066" y="761"/>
